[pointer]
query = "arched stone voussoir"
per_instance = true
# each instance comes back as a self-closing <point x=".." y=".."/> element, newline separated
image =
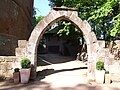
<point x="41" y="26"/>
<point x="90" y="38"/>
<point x="30" y="49"/>
<point x="76" y="21"/>
<point x="35" y="36"/>
<point x="85" y="27"/>
<point x="56" y="14"/>
<point x="62" y="12"/>
<point x="58" y="11"/>
<point x="92" y="49"/>
<point x="51" y="17"/>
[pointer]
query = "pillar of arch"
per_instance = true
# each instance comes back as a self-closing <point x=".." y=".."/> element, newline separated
<point x="71" y="15"/>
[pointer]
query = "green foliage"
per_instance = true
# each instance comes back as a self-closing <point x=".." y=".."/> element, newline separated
<point x="39" y="18"/>
<point x="16" y="70"/>
<point x="35" y="19"/>
<point x="103" y="10"/>
<point x="107" y="72"/>
<point x="116" y="28"/>
<point x="98" y="12"/>
<point x="25" y="63"/>
<point x="110" y="8"/>
<point x="65" y="30"/>
<point x="34" y="22"/>
<point x="100" y="65"/>
<point x="69" y="31"/>
<point x="57" y="3"/>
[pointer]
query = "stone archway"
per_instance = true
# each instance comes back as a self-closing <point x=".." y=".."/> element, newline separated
<point x="71" y="15"/>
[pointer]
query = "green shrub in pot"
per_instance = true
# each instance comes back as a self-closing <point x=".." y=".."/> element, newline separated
<point x="16" y="70"/>
<point x="25" y="63"/>
<point x="25" y="71"/>
<point x="16" y="75"/>
<point x="100" y="65"/>
<point x="100" y="72"/>
<point x="107" y="72"/>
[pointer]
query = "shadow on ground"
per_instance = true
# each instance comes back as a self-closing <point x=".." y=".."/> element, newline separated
<point x="47" y="59"/>
<point x="47" y="72"/>
<point x="38" y="85"/>
<point x="41" y="85"/>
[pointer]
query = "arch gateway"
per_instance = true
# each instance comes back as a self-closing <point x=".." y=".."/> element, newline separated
<point x="56" y="15"/>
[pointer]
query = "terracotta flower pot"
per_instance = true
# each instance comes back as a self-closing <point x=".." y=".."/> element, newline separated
<point x="107" y="78"/>
<point x="16" y="77"/>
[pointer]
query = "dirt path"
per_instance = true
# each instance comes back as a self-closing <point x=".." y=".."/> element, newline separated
<point x="70" y="75"/>
<point x="64" y="69"/>
<point x="58" y="62"/>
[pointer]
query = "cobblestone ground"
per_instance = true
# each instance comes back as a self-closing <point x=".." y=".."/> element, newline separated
<point x="70" y="75"/>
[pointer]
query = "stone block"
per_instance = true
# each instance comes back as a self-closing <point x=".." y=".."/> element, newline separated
<point x="0" y="73"/>
<point x="31" y="48"/>
<point x="69" y="13"/>
<point x="74" y="18"/>
<point x="35" y="35"/>
<point x="10" y="58"/>
<point x="41" y="23"/>
<point x="91" y="71"/>
<point x="92" y="54"/>
<point x="9" y="73"/>
<point x="16" y="65"/>
<point x="115" y="71"/>
<point x="18" y="59"/>
<point x="90" y="38"/>
<point x="62" y="12"/>
<point x="50" y="18"/>
<point x="1" y="66"/>
<point x="4" y="67"/>
<point x="9" y="65"/>
<point x="22" y="43"/>
<point x="101" y="43"/>
<point x="118" y="43"/>
<point x="20" y="52"/>
<point x="101" y="54"/>
<point x="85" y="27"/>
<point x="77" y="21"/>
<point x="2" y="59"/>
<point x="56" y="14"/>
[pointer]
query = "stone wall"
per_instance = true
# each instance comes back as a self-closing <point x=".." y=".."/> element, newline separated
<point x="15" y="23"/>
<point x="108" y="56"/>
<point x="106" y="52"/>
<point x="9" y="63"/>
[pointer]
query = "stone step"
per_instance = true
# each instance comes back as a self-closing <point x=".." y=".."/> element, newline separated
<point x="22" y="43"/>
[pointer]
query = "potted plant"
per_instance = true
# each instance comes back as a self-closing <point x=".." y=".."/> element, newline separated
<point x="107" y="77"/>
<point x="25" y="71"/>
<point x="16" y="75"/>
<point x="100" y="72"/>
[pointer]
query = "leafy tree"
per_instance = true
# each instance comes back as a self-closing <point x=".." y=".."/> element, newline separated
<point x="69" y="31"/>
<point x="39" y="18"/>
<point x="35" y="19"/>
<point x="110" y="8"/>
<point x="104" y="16"/>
